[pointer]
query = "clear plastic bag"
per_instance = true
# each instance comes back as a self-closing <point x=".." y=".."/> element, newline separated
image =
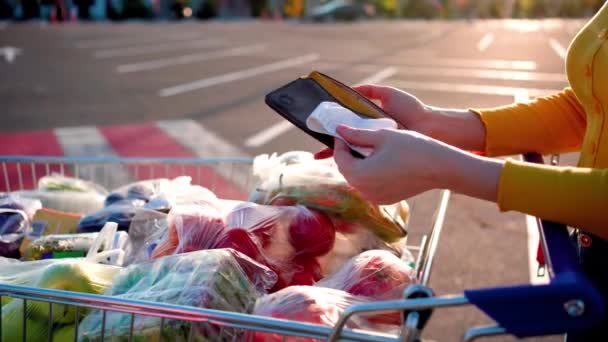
<point x="48" y="222"/>
<point x="191" y="228"/>
<point x="287" y="239"/>
<point x="161" y="194"/>
<point x="221" y="279"/>
<point x="122" y="213"/>
<point x="15" y="218"/>
<point x="13" y="226"/>
<point x="110" y="246"/>
<point x="307" y="304"/>
<point x="296" y="178"/>
<point x="374" y="274"/>
<point x="59" y="246"/>
<point x="60" y="274"/>
<point x="377" y="274"/>
<point x="58" y="182"/>
<point x="66" y="201"/>
<point x="148" y="228"/>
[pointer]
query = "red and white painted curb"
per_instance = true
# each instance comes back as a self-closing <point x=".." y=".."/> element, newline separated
<point x="171" y="138"/>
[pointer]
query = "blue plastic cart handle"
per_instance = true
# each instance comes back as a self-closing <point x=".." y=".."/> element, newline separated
<point x="568" y="303"/>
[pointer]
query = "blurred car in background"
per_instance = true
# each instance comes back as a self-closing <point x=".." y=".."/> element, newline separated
<point x="6" y="9"/>
<point x="335" y="10"/>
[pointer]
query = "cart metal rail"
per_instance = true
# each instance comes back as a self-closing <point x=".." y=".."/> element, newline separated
<point x="568" y="302"/>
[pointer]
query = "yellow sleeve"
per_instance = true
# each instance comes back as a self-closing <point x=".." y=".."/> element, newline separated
<point x="577" y="197"/>
<point x="546" y="125"/>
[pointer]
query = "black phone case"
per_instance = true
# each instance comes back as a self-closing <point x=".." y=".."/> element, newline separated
<point x="296" y="100"/>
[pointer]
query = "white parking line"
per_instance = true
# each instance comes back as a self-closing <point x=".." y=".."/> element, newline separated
<point x="471" y="63"/>
<point x="206" y="144"/>
<point x="187" y="59"/>
<point x="267" y="134"/>
<point x="88" y="141"/>
<point x="484" y="74"/>
<point x="558" y="48"/>
<point x="113" y="42"/>
<point x="485" y="42"/>
<point x="379" y="76"/>
<point x="155" y="47"/>
<point x="238" y="75"/>
<point x="469" y="88"/>
<point x="283" y="126"/>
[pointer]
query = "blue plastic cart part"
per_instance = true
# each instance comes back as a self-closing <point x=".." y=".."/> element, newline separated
<point x="570" y="302"/>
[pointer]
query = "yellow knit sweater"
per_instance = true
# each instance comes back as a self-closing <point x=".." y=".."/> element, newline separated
<point x="572" y="120"/>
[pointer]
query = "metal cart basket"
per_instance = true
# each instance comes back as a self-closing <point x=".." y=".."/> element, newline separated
<point x="568" y="302"/>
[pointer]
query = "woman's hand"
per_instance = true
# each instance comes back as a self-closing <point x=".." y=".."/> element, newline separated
<point x="404" y="107"/>
<point x="406" y="163"/>
<point x="459" y="128"/>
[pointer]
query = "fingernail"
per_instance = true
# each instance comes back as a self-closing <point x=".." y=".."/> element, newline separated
<point x="324" y="154"/>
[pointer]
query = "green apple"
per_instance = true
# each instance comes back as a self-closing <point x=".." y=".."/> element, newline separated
<point x="12" y="324"/>
<point x="61" y="276"/>
<point x="64" y="333"/>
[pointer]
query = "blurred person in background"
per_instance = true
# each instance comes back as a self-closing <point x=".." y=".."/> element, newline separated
<point x="432" y="153"/>
<point x="84" y="9"/>
<point x="46" y="9"/>
<point x="30" y="9"/>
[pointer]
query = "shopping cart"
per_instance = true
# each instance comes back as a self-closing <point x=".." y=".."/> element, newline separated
<point x="568" y="302"/>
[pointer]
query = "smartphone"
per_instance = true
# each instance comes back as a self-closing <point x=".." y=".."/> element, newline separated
<point x="296" y="100"/>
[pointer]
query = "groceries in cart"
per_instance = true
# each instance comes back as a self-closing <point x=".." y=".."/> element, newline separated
<point x="16" y="214"/>
<point x="305" y="304"/>
<point x="77" y="275"/>
<point x="221" y="279"/>
<point x="67" y="194"/>
<point x="159" y="194"/>
<point x="303" y="247"/>
<point x="297" y="178"/>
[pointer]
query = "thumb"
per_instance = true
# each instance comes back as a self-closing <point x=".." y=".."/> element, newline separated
<point x="359" y="137"/>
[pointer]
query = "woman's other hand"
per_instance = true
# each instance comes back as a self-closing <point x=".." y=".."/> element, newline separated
<point x="404" y="107"/>
<point x="460" y="128"/>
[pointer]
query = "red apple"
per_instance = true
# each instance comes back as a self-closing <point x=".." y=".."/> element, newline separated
<point x="376" y="274"/>
<point x="191" y="228"/>
<point x="379" y="274"/>
<point x="282" y="280"/>
<point x="240" y="240"/>
<point x="304" y="304"/>
<point x="199" y="232"/>
<point x="259" y="220"/>
<point x="311" y="233"/>
<point x="307" y="271"/>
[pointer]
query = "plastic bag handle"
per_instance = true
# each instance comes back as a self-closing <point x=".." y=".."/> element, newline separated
<point x="106" y="234"/>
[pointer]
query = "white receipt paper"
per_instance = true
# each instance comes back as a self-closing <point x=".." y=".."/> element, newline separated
<point x="328" y="115"/>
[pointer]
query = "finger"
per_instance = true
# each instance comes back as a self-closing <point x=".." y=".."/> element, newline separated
<point x="342" y="155"/>
<point x="324" y="153"/>
<point x="359" y="137"/>
<point x="374" y="92"/>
